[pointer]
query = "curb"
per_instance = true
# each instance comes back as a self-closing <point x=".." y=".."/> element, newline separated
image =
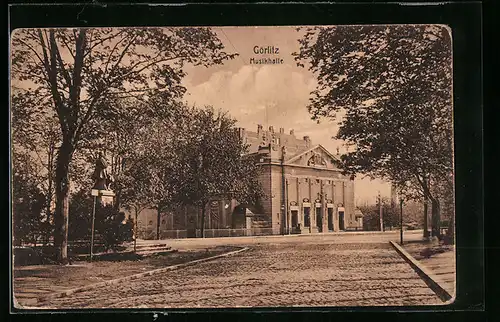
<point x="136" y="276"/>
<point x="129" y="252"/>
<point x="342" y="233"/>
<point x="432" y="280"/>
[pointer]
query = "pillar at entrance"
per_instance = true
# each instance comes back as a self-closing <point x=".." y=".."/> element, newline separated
<point x="314" y="227"/>
<point x="336" y="220"/>
<point x="303" y="228"/>
<point x="325" y="219"/>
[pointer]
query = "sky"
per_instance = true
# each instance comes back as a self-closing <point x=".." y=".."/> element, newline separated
<point x="271" y="95"/>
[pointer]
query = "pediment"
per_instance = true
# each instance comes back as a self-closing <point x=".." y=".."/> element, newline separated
<point x="316" y="157"/>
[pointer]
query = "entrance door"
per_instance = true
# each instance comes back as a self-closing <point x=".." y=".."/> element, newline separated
<point x="307" y="217"/>
<point x="330" y="219"/>
<point x="341" y="220"/>
<point x="319" y="219"/>
<point x="295" y="218"/>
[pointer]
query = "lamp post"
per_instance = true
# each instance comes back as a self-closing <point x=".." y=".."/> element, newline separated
<point x="401" y="220"/>
<point x="93" y="220"/>
<point x="101" y="188"/>
<point x="135" y="231"/>
<point x="381" y="213"/>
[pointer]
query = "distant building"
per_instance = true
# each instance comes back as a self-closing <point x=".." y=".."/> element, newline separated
<point x="305" y="193"/>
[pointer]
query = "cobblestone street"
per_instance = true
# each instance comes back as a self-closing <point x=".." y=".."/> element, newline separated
<point x="300" y="272"/>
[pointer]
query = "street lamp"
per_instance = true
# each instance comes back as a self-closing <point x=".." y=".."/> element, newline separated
<point x="101" y="188"/>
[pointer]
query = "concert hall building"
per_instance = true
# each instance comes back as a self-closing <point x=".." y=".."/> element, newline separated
<point x="305" y="193"/>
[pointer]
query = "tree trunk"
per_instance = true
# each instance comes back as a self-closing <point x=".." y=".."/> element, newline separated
<point x="116" y="171"/>
<point x="158" y="218"/>
<point x="117" y="200"/>
<point x="426" y="220"/>
<point x="380" y="213"/>
<point x="436" y="220"/>
<point x="135" y="230"/>
<point x="61" y="215"/>
<point x="451" y="229"/>
<point x="50" y="160"/>
<point x="203" y="211"/>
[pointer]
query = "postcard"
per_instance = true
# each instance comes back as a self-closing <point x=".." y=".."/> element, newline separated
<point x="230" y="167"/>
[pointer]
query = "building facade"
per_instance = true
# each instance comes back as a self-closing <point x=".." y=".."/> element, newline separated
<point x="305" y="192"/>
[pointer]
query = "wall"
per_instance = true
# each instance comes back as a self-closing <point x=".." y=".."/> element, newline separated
<point x="308" y="183"/>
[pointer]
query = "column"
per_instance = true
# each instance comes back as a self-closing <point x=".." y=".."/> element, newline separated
<point x="324" y="210"/>
<point x="312" y="209"/>
<point x="347" y="217"/>
<point x="300" y="220"/>
<point x="335" y="209"/>
<point x="287" y="209"/>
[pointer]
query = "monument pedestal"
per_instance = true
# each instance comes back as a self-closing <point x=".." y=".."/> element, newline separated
<point x="104" y="197"/>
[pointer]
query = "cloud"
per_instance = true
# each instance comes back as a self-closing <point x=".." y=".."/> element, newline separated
<point x="274" y="96"/>
<point x="269" y="95"/>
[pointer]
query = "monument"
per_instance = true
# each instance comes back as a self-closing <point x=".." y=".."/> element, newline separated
<point x="102" y="181"/>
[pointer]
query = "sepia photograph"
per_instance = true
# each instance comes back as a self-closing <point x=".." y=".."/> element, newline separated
<point x="232" y="167"/>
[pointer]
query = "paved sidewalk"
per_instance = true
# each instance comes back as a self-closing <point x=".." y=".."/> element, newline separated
<point x="334" y="238"/>
<point x="31" y="282"/>
<point x="439" y="259"/>
<point x="298" y="272"/>
<point x="443" y="265"/>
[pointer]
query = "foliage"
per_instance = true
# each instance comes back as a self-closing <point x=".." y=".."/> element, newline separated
<point x="27" y="207"/>
<point x="35" y="136"/>
<point x="80" y="219"/>
<point x="391" y="214"/>
<point x="186" y="156"/>
<point x="76" y="72"/>
<point x="247" y="190"/>
<point x="371" y="216"/>
<point x="392" y="85"/>
<point x="211" y="162"/>
<point x="113" y="227"/>
<point x="108" y="223"/>
<point x="147" y="177"/>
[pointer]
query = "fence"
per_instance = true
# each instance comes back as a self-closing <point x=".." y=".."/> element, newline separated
<point x="209" y="233"/>
<point x="214" y="233"/>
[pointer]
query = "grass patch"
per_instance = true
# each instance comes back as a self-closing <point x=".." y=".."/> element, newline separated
<point x="30" y="281"/>
<point x="427" y="249"/>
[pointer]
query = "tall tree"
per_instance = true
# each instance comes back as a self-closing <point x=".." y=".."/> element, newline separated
<point x="212" y="163"/>
<point x="134" y="186"/>
<point x="35" y="134"/>
<point x="160" y="176"/>
<point x="28" y="200"/>
<point x="392" y="85"/>
<point x="77" y="70"/>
